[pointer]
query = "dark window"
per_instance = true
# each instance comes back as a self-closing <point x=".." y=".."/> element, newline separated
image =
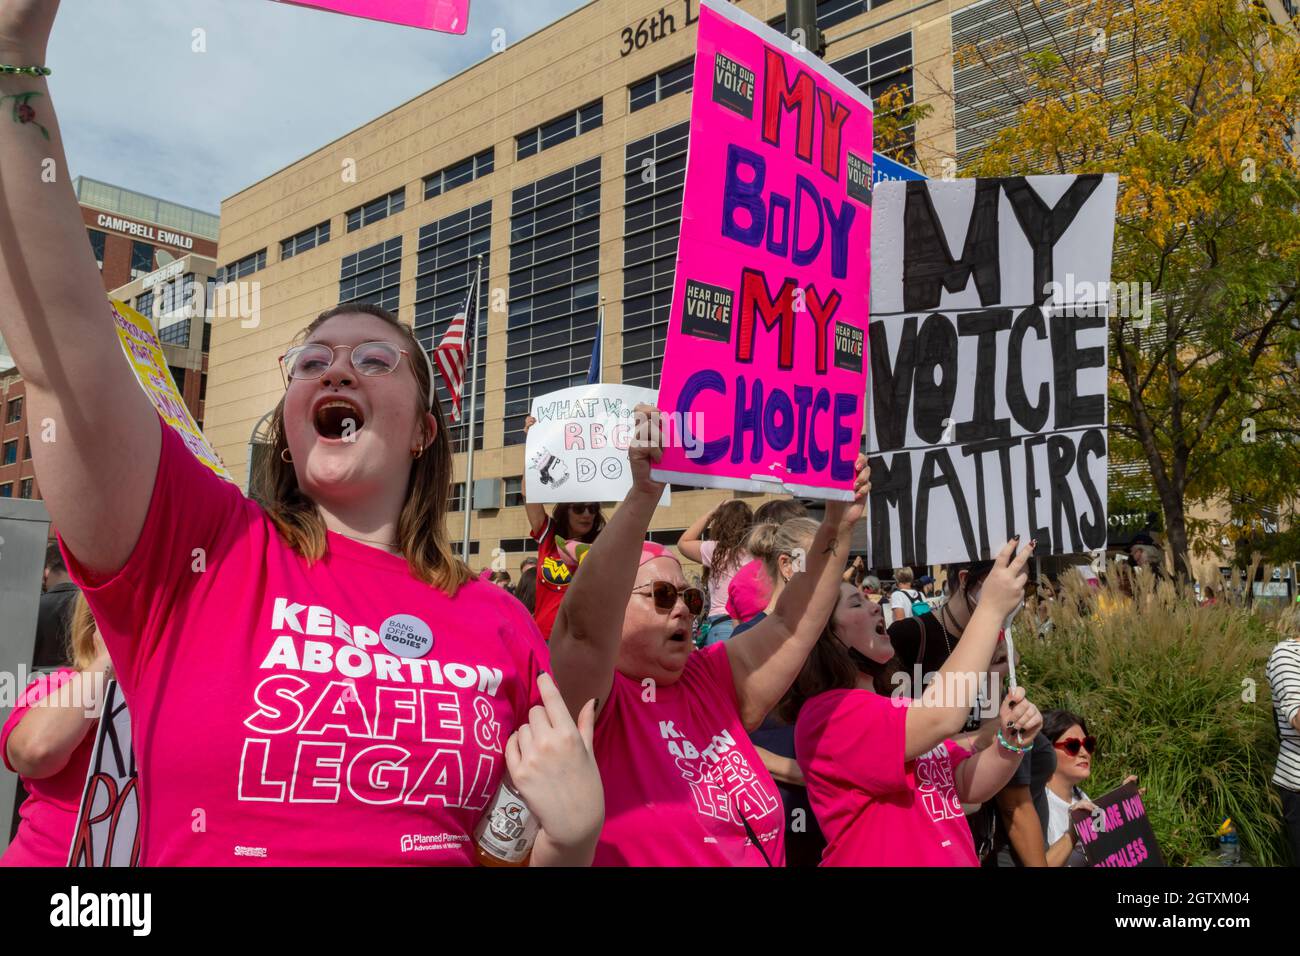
<point x="178" y="376"/>
<point x="14" y="410"/>
<point x="445" y="266"/>
<point x="7" y="490"/>
<point x="377" y="209"/>
<point x="674" y="79"/>
<point x="25" y="488"/>
<point x="243" y="267"/>
<point x="141" y="259"/>
<point x="517" y="545"/>
<point x="880" y="68"/>
<point x="144" y="304"/>
<point x="654" y="180"/>
<point x="97" y="245"/>
<point x="317" y="235"/>
<point x="833" y="12"/>
<point x="10" y="452"/>
<point x="514" y="496"/>
<point x="203" y="387"/>
<point x="27" y="448"/>
<point x="566" y="127"/>
<point x="373" y="275"/>
<point x="666" y="537"/>
<point x="458" y="174"/>
<point x="177" y="333"/>
<point x="554" y="291"/>
<point x="457" y="500"/>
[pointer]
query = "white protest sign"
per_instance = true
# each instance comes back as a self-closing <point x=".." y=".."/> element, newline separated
<point x="577" y="451"/>
<point x="108" y="820"/>
<point x="987" y="388"/>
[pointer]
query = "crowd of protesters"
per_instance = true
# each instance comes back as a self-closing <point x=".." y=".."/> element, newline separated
<point x="789" y="711"/>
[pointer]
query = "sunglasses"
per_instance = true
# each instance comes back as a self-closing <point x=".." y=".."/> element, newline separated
<point x="1072" y="745"/>
<point x="666" y="594"/>
<point x="583" y="509"/>
<point x="311" y="359"/>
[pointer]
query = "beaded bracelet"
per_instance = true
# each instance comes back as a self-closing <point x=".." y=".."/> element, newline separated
<point x="1002" y="741"/>
<point x="24" y="70"/>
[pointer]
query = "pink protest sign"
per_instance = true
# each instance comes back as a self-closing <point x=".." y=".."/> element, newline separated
<point x="446" y="16"/>
<point x="764" y="373"/>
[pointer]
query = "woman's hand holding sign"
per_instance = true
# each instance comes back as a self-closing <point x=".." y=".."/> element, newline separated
<point x="646" y="451"/>
<point x="845" y="514"/>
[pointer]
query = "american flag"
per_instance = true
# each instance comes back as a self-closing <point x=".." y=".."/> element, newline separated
<point x="450" y="353"/>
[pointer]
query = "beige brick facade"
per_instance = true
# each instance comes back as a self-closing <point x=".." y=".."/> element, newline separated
<point x="568" y="64"/>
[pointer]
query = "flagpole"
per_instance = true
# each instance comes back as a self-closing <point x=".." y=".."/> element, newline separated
<point x="476" y="288"/>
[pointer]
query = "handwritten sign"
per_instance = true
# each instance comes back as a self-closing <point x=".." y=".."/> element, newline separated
<point x="577" y="451"/>
<point x="987" y="406"/>
<point x="764" y="366"/>
<point x="1119" y="833"/>
<point x="140" y="343"/>
<point x="445" y="16"/>
<point x="108" y="820"/>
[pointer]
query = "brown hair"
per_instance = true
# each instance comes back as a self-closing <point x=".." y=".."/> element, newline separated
<point x="829" y="667"/>
<point x="422" y="525"/>
<point x="779" y="511"/>
<point x="81" y="634"/>
<point x="561" y="518"/>
<point x="729" y="527"/>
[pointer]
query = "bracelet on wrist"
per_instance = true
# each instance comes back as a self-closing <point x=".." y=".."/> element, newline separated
<point x="6" y="70"/>
<point x="1007" y="745"/>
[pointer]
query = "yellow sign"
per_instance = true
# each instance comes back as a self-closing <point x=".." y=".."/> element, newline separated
<point x="140" y="343"/>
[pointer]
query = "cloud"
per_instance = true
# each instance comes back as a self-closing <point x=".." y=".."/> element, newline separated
<point x="140" y="107"/>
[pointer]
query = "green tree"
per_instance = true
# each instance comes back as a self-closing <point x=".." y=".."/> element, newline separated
<point x="1194" y="105"/>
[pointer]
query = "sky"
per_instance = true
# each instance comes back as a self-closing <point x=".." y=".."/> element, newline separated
<point x="141" y="107"/>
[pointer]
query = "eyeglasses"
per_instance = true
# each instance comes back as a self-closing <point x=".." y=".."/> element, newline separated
<point x="583" y="509"/>
<point x="311" y="359"/>
<point x="1072" y="745"/>
<point x="666" y="594"/>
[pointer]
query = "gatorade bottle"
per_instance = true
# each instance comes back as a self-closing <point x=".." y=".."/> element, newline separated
<point x="1229" y="845"/>
<point x="506" y="833"/>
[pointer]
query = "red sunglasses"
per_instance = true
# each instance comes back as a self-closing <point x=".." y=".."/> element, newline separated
<point x="1072" y="745"/>
<point x="665" y="595"/>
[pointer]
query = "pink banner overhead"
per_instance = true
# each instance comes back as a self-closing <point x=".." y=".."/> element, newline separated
<point x="446" y="16"/>
<point x="764" y="372"/>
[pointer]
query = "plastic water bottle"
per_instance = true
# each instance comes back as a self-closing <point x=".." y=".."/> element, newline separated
<point x="1229" y="845"/>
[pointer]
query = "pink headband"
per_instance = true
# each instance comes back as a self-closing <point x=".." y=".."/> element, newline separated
<point x="650" y="550"/>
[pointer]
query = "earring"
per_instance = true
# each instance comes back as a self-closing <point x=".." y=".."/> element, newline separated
<point x="286" y="457"/>
<point x="418" y="452"/>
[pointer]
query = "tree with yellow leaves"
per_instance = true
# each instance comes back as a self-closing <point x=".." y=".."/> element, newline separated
<point x="1195" y="106"/>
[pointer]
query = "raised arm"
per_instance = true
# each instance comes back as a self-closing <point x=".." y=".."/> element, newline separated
<point x="589" y="625"/>
<point x="944" y="704"/>
<point x="766" y="659"/>
<point x="97" y="435"/>
<point x="689" y="543"/>
<point x="536" y="513"/>
<point x="51" y="731"/>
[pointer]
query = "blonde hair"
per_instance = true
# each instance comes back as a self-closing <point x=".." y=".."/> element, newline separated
<point x="769" y="541"/>
<point x="421" y="527"/>
<point x="81" y="634"/>
<point x="903" y="576"/>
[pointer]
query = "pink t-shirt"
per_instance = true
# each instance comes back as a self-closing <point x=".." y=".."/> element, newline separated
<point x="292" y="714"/>
<point x="875" y="808"/>
<point x="679" y="770"/>
<point x="720" y="579"/>
<point x="49" y="814"/>
<point x="748" y="591"/>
